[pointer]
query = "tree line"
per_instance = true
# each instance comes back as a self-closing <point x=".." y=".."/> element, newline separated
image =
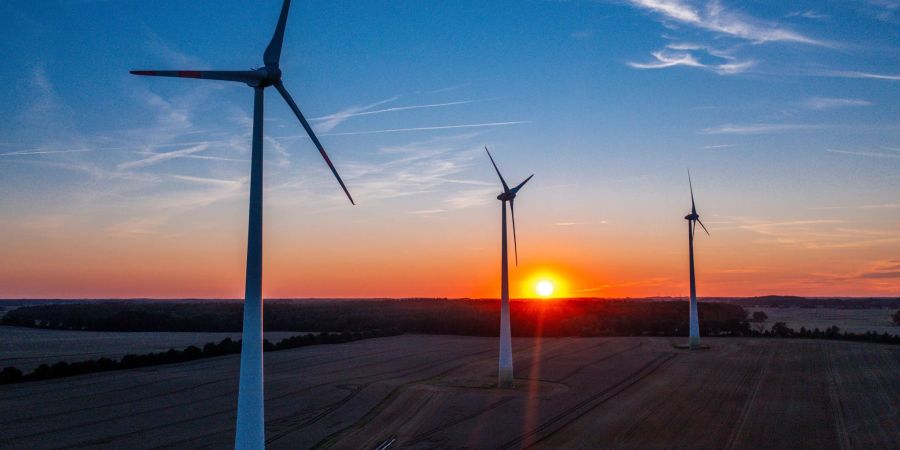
<point x="781" y="330"/>
<point x="227" y="346"/>
<point x="562" y="317"/>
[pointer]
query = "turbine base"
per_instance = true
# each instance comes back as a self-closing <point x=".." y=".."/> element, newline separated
<point x="694" y="342"/>
<point x="505" y="379"/>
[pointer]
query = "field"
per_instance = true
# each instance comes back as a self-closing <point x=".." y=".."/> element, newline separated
<point x="418" y="391"/>
<point x="852" y="320"/>
<point x="27" y="348"/>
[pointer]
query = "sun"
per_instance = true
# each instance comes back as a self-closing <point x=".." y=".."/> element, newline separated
<point x="544" y="288"/>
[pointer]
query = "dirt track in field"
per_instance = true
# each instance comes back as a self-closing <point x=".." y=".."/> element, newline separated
<point x="436" y="391"/>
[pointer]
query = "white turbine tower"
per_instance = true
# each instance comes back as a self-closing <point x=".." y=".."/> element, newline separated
<point x="505" y="370"/>
<point x="693" y="219"/>
<point x="250" y="432"/>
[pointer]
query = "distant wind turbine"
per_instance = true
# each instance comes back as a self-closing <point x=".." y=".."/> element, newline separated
<point x="250" y="432"/>
<point x="505" y="371"/>
<point x="693" y="219"/>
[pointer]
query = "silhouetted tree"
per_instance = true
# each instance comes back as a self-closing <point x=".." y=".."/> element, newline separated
<point x="760" y="316"/>
<point x="10" y="375"/>
<point x="897" y="317"/>
<point x="781" y="329"/>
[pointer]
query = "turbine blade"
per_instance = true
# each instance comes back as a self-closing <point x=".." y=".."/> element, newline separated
<point x="704" y="226"/>
<point x="505" y="187"/>
<point x="693" y="228"/>
<point x="516" y="189"/>
<point x="512" y="211"/>
<point x="273" y="51"/>
<point x="243" y="76"/>
<point x="693" y="206"/>
<point x="290" y="102"/>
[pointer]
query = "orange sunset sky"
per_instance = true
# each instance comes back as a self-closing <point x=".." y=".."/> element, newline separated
<point x="113" y="185"/>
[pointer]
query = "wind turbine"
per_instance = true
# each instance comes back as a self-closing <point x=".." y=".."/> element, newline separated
<point x="250" y="430"/>
<point x="505" y="371"/>
<point x="693" y="219"/>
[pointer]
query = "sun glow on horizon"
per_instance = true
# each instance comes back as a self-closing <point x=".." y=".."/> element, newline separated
<point x="544" y="288"/>
<point x="544" y="284"/>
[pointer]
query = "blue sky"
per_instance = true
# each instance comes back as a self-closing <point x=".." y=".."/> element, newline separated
<point x="786" y="112"/>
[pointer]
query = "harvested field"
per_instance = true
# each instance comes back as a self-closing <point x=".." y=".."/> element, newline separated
<point x="436" y="391"/>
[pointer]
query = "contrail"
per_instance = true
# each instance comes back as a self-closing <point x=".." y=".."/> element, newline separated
<point x="442" y="127"/>
<point x="43" y="152"/>
<point x="397" y="108"/>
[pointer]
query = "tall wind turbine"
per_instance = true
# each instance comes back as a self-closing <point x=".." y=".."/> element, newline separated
<point x="250" y="432"/>
<point x="505" y="371"/>
<point x="693" y="219"/>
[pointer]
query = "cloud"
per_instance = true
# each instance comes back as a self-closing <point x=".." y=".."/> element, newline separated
<point x="472" y="197"/>
<point x="816" y="234"/>
<point x="141" y="226"/>
<point x="157" y="158"/>
<point x="569" y="224"/>
<point x="168" y="114"/>
<point x="714" y="17"/>
<point x="821" y="103"/>
<point x="665" y="59"/>
<point x="437" y="127"/>
<point x="882" y="270"/>
<point x="865" y="153"/>
<point x="416" y="168"/>
<point x="716" y="146"/>
<point x="43" y="152"/>
<point x="757" y="128"/>
<point x="881" y="206"/>
<point x="808" y="14"/>
<point x="881" y="275"/>
<point x="332" y="120"/>
<point x="856" y="74"/>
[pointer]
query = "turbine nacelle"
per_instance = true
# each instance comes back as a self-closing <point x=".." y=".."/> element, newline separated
<point x="269" y="75"/>
<point x="506" y="196"/>
<point x="694" y="218"/>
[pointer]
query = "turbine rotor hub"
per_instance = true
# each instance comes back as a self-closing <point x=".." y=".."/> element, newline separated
<point x="692" y="217"/>
<point x="268" y="76"/>
<point x="506" y="196"/>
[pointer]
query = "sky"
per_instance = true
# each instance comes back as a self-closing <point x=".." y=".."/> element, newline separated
<point x="786" y="113"/>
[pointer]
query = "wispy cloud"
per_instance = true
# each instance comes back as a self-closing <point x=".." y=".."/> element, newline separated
<point x="758" y="128"/>
<point x="43" y="152"/>
<point x="437" y="127"/>
<point x="571" y="224"/>
<point x="717" y="146"/>
<point x="881" y="206"/>
<point x="857" y="74"/>
<point x="716" y="18"/>
<point x="665" y="59"/>
<point x="817" y="234"/>
<point x="808" y="14"/>
<point x="885" y="270"/>
<point x="332" y="120"/>
<point x="161" y="157"/>
<point x="427" y="212"/>
<point x="821" y="103"/>
<point x="329" y="122"/>
<point x="415" y="168"/>
<point x="865" y="153"/>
